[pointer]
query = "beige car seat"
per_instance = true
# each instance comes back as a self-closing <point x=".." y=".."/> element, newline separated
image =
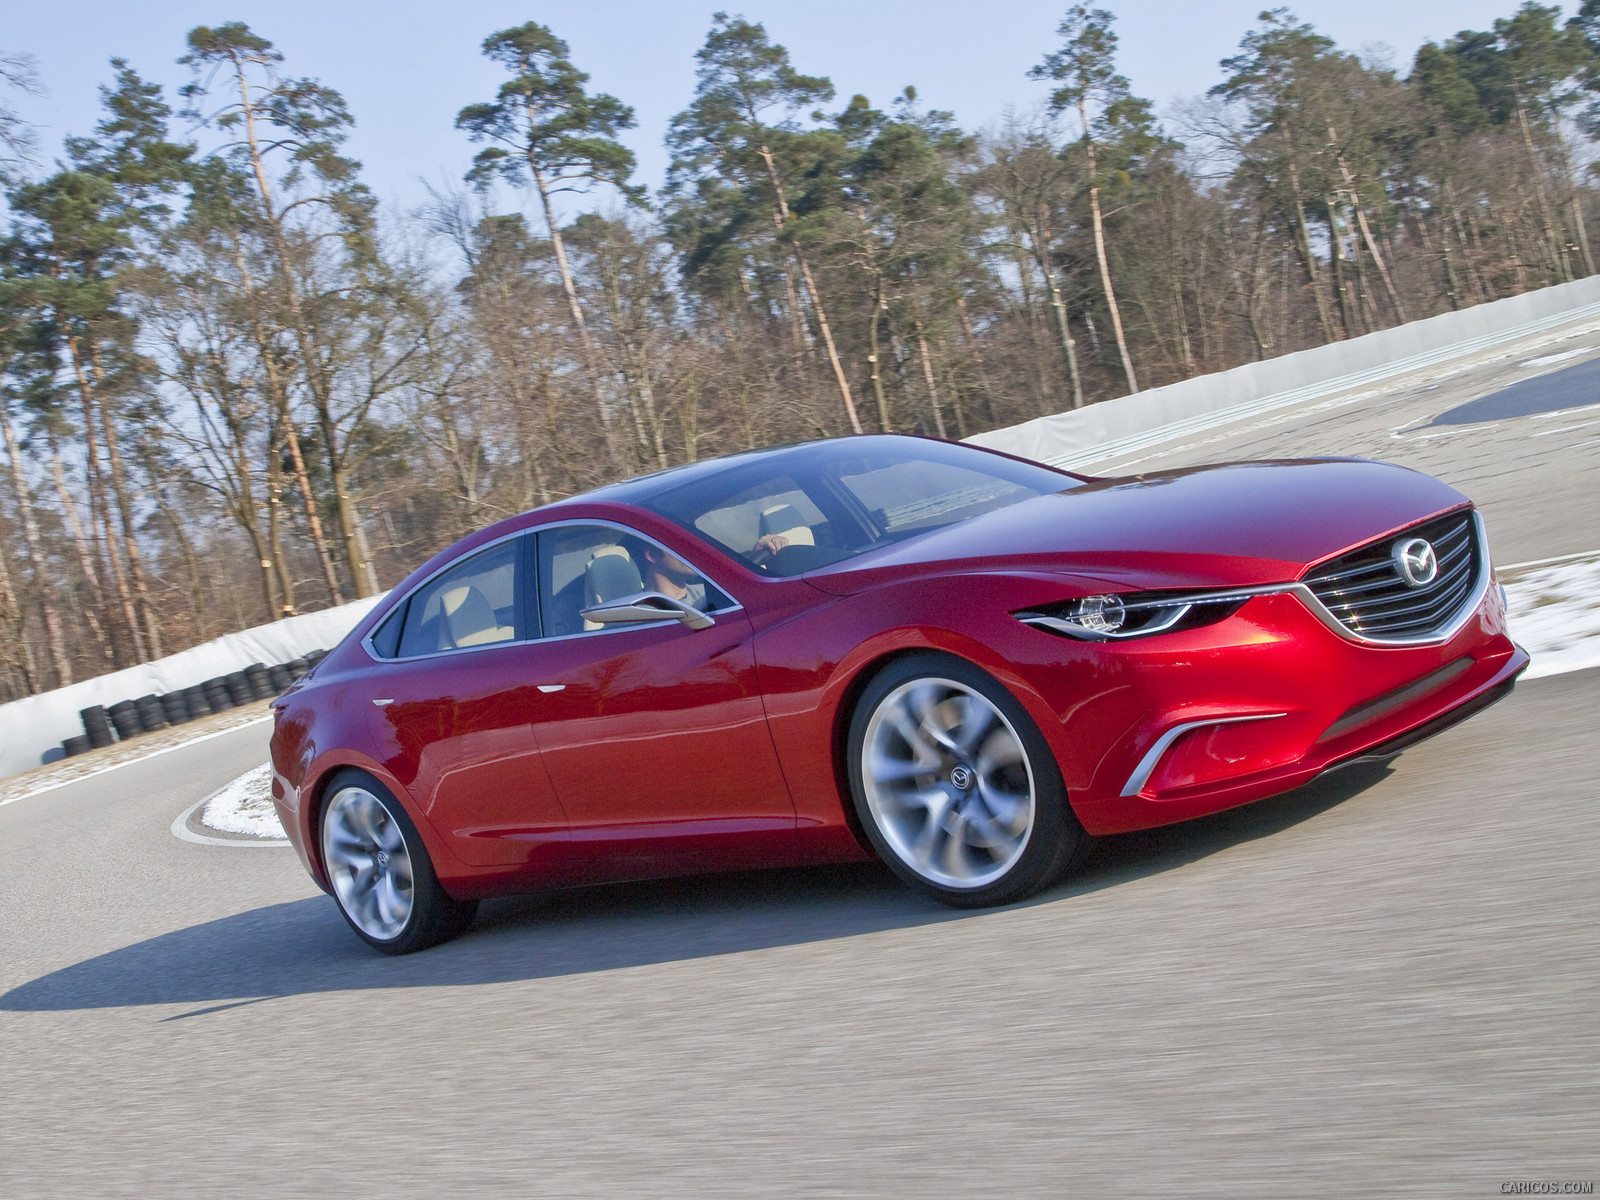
<point x="611" y="573"/>
<point x="785" y="521"/>
<point x="471" y="619"/>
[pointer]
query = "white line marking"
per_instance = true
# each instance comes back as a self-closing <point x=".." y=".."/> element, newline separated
<point x="1560" y="412"/>
<point x="1547" y="359"/>
<point x="1545" y="562"/>
<point x="181" y="830"/>
<point x="1562" y="429"/>
<point x="204" y="737"/>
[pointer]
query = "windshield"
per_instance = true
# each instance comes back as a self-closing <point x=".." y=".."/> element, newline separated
<point x="809" y="507"/>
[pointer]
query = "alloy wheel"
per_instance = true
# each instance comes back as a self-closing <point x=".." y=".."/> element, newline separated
<point x="948" y="782"/>
<point x="368" y="863"/>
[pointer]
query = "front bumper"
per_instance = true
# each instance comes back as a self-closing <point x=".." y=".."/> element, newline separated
<point x="1265" y="701"/>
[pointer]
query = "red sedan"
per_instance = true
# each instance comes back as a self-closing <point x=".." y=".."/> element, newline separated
<point x="956" y="661"/>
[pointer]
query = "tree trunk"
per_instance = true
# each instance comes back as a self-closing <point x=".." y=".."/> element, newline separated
<point x="360" y="570"/>
<point x="1069" y="347"/>
<point x="18" y="650"/>
<point x="119" y="484"/>
<point x="884" y="424"/>
<point x="1100" y="250"/>
<point x="927" y="378"/>
<point x="280" y="564"/>
<point x="1366" y="231"/>
<point x="1557" y="243"/>
<point x="85" y="552"/>
<point x="279" y="397"/>
<point x="36" y="564"/>
<point x="780" y="217"/>
<point x="570" y="290"/>
<point x="107" y="531"/>
<point x="1302" y="241"/>
<point x="191" y="563"/>
<point x="1341" y="290"/>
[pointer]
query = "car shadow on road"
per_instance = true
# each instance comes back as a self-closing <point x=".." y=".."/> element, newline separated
<point x="303" y="946"/>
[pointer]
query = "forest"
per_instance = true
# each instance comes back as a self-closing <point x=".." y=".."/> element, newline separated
<point x="233" y="387"/>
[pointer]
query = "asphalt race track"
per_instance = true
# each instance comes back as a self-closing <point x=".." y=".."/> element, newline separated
<point x="1383" y="984"/>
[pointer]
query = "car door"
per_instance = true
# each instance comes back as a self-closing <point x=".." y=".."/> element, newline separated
<point x="454" y="713"/>
<point x="653" y="733"/>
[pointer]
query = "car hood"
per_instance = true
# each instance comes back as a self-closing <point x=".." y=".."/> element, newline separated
<point x="1231" y="525"/>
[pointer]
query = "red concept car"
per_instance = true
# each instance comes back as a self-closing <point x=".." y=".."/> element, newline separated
<point x="959" y="662"/>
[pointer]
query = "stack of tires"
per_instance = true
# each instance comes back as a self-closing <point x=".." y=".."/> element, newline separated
<point x="129" y="718"/>
<point x="194" y="698"/>
<point x="151" y="715"/>
<point x="96" y="727"/>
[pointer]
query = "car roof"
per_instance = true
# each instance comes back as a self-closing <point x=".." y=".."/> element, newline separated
<point x="640" y="489"/>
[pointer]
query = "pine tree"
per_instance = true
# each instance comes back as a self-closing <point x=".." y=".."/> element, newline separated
<point x="549" y="130"/>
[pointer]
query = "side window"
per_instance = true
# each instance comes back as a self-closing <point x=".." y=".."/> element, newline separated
<point x="472" y="604"/>
<point x="583" y="565"/>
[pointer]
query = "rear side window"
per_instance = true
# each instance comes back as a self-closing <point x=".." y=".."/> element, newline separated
<point x="474" y="603"/>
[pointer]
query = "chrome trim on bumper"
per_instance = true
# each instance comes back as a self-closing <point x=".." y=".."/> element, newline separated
<point x="1147" y="764"/>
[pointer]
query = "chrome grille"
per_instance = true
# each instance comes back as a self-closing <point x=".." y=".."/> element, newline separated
<point x="1367" y="595"/>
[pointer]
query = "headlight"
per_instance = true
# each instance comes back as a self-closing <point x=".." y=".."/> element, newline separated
<point x="1133" y="615"/>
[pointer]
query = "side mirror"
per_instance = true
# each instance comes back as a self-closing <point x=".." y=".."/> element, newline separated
<point x="646" y="606"/>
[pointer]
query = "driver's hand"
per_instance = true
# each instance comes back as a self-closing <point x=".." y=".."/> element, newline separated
<point x="771" y="543"/>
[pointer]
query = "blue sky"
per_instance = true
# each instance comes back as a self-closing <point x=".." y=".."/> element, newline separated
<point x="406" y="66"/>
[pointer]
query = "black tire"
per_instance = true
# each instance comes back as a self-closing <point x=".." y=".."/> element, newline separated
<point x="260" y="686"/>
<point x="124" y="716"/>
<point x="434" y="916"/>
<point x="151" y="715"/>
<point x="97" y="725"/>
<point x="1028" y="859"/>
<point x="216" y="693"/>
<point x="175" y="708"/>
<point x="194" y="699"/>
<point x="238" y="686"/>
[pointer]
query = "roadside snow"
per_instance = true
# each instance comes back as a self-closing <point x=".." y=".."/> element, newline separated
<point x="245" y="806"/>
<point x="1554" y="613"/>
<point x="1544" y="360"/>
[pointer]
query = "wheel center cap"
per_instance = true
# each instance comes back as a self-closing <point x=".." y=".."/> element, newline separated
<point x="383" y="859"/>
<point x="961" y="777"/>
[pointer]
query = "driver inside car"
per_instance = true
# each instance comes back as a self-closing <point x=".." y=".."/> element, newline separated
<point x="781" y="525"/>
<point x="671" y="576"/>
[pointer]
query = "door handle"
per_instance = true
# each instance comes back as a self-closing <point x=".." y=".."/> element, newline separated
<point x="384" y="703"/>
<point x="552" y="687"/>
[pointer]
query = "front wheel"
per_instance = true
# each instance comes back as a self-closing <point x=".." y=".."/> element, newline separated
<point x="382" y="877"/>
<point x="956" y="787"/>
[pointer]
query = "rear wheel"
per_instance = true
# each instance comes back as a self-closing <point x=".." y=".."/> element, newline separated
<point x="956" y="787"/>
<point x="382" y="877"/>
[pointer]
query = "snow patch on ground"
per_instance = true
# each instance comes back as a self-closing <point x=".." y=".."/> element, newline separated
<point x="1545" y="360"/>
<point x="245" y="806"/>
<point x="1554" y="613"/>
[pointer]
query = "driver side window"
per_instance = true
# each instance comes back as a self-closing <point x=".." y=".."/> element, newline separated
<point x="584" y="565"/>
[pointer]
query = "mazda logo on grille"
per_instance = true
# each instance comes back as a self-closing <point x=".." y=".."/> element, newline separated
<point x="1416" y="561"/>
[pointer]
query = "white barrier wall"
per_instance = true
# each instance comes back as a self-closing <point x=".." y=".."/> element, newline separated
<point x="32" y="727"/>
<point x="1129" y="423"/>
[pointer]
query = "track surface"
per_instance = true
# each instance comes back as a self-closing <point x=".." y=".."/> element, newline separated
<point x="1383" y="984"/>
